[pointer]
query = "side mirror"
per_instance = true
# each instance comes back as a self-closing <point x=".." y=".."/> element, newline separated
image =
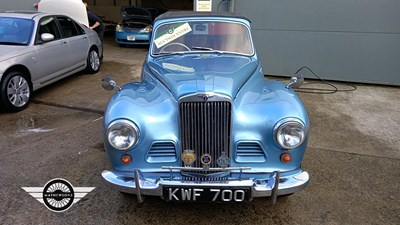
<point x="108" y="83"/>
<point x="296" y="81"/>
<point x="47" y="37"/>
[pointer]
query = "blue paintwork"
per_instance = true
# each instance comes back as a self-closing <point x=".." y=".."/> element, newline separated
<point x="140" y="38"/>
<point x="258" y="105"/>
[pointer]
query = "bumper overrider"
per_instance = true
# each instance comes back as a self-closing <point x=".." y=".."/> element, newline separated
<point x="173" y="187"/>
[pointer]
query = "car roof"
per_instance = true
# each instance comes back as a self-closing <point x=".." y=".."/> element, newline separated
<point x="22" y="14"/>
<point x="181" y="14"/>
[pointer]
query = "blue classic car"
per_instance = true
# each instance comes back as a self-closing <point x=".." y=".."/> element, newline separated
<point x="203" y="124"/>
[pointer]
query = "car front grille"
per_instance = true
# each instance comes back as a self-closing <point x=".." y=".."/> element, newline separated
<point x="205" y="127"/>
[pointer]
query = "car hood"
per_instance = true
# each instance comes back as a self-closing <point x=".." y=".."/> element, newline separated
<point x="135" y="12"/>
<point x="11" y="51"/>
<point x="73" y="9"/>
<point x="189" y="74"/>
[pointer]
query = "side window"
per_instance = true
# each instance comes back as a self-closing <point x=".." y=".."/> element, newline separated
<point x="80" y="29"/>
<point x="48" y="25"/>
<point x="67" y="26"/>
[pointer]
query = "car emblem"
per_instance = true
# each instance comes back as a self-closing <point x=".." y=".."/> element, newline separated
<point x="223" y="161"/>
<point x="205" y="97"/>
<point x="188" y="157"/>
<point x="205" y="160"/>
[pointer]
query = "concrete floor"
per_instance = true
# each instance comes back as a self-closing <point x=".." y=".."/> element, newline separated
<point x="353" y="158"/>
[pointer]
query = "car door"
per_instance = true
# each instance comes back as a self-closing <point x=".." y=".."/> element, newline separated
<point x="77" y="39"/>
<point x="50" y="62"/>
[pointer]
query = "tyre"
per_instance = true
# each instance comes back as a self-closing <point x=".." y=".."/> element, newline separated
<point x="93" y="61"/>
<point x="16" y="92"/>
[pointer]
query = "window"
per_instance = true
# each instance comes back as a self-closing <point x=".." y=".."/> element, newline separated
<point x="15" y="31"/>
<point x="68" y="27"/>
<point x="48" y="25"/>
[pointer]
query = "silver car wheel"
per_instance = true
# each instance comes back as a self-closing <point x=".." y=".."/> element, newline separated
<point x="94" y="60"/>
<point x="18" y="91"/>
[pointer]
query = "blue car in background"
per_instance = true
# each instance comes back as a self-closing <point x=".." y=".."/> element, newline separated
<point x="135" y="27"/>
<point x="203" y="124"/>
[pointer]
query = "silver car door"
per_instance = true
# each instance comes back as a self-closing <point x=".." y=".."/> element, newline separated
<point x="77" y="39"/>
<point x="50" y="62"/>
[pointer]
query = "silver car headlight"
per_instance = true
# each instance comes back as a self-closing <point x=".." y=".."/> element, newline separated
<point x="290" y="133"/>
<point x="119" y="28"/>
<point x="122" y="134"/>
<point x="147" y="29"/>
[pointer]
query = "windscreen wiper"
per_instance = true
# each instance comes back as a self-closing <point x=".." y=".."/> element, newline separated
<point x="207" y="49"/>
<point x="169" y="53"/>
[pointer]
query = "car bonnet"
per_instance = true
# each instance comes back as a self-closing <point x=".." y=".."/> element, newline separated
<point x="135" y="12"/>
<point x="72" y="8"/>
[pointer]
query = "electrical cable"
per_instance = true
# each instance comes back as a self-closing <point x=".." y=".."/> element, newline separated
<point x="333" y="89"/>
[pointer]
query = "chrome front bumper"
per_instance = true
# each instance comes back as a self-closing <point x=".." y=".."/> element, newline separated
<point x="138" y="184"/>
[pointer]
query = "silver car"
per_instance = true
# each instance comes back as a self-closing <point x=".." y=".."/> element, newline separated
<point x="37" y="49"/>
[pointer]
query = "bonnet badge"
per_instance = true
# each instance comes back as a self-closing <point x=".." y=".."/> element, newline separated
<point x="223" y="161"/>
<point x="188" y="157"/>
<point x="205" y="160"/>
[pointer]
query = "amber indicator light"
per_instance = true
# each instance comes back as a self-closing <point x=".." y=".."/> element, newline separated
<point x="126" y="159"/>
<point x="286" y="158"/>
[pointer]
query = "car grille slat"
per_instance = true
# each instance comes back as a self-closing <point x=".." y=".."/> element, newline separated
<point x="162" y="152"/>
<point x="247" y="152"/>
<point x="205" y="127"/>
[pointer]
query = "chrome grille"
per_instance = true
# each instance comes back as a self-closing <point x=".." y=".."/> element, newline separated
<point x="205" y="127"/>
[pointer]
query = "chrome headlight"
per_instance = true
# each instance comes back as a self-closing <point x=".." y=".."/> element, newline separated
<point x="290" y="133"/>
<point x="122" y="134"/>
<point x="119" y="28"/>
<point x="147" y="29"/>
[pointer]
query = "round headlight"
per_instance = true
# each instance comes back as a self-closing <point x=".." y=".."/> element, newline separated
<point x="290" y="134"/>
<point x="122" y="134"/>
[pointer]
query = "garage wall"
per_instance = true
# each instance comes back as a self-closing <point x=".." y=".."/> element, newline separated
<point x="110" y="9"/>
<point x="7" y="5"/>
<point x="348" y="40"/>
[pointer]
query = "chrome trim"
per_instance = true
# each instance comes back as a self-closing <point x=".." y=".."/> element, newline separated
<point x="283" y="122"/>
<point x="205" y="125"/>
<point x="199" y="97"/>
<point x="272" y="186"/>
<point x="204" y="169"/>
<point x="275" y="185"/>
<point x="138" y="181"/>
<point x="130" y="123"/>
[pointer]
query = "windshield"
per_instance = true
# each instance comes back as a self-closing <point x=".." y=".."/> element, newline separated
<point x="15" y="31"/>
<point x="203" y="36"/>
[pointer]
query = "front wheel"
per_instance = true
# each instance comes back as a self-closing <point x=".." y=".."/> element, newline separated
<point x="93" y="61"/>
<point x="16" y="92"/>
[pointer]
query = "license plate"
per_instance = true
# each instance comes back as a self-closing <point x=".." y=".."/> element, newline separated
<point x="131" y="38"/>
<point x="209" y="194"/>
